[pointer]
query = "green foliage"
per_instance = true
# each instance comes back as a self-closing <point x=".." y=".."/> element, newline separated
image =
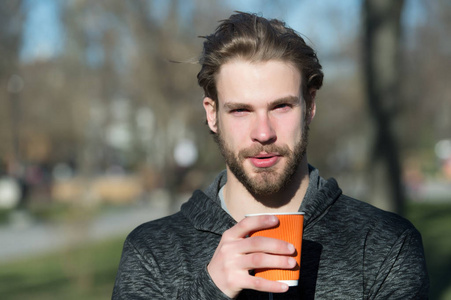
<point x="85" y="272"/>
<point x="434" y="223"/>
<point x="4" y="215"/>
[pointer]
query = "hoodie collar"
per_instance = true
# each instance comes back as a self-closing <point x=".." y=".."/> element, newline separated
<point x="206" y="214"/>
<point x="204" y="208"/>
<point x="317" y="204"/>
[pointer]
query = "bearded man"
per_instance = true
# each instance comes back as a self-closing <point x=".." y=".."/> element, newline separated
<point x="260" y="80"/>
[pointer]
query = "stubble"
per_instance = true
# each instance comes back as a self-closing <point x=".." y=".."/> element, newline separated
<point x="266" y="181"/>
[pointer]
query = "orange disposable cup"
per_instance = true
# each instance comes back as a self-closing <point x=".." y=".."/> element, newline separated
<point x="290" y="229"/>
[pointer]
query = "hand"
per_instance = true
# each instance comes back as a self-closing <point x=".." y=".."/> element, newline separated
<point x="236" y="255"/>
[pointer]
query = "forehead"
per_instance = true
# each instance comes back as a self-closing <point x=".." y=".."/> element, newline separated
<point x="241" y="80"/>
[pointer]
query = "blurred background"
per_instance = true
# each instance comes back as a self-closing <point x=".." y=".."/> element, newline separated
<point x="102" y="127"/>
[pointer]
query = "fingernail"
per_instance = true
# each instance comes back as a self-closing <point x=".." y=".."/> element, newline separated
<point x="291" y="248"/>
<point x="284" y="287"/>
<point x="272" y="219"/>
<point x="292" y="262"/>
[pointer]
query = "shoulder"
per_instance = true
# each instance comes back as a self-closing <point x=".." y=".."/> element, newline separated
<point x="165" y="229"/>
<point x="382" y="236"/>
<point x="365" y="215"/>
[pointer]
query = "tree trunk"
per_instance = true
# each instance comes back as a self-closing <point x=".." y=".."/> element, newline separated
<point x="381" y="63"/>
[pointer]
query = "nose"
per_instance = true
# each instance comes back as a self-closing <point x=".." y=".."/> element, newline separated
<point x="263" y="130"/>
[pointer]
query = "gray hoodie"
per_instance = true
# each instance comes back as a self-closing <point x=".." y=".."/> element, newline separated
<point x="350" y="250"/>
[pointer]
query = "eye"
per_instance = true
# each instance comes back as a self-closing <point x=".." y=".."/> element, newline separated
<point x="283" y="107"/>
<point x="239" y="111"/>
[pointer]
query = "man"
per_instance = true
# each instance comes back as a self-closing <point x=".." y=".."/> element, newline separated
<point x="260" y="80"/>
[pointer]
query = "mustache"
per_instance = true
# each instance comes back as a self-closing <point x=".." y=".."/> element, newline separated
<point x="258" y="148"/>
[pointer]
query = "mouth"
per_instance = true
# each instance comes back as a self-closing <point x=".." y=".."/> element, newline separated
<point x="264" y="160"/>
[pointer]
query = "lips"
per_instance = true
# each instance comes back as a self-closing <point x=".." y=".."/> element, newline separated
<point x="266" y="160"/>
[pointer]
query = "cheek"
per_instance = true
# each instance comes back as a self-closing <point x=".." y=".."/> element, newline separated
<point x="289" y="129"/>
<point x="234" y="132"/>
<point x="291" y="137"/>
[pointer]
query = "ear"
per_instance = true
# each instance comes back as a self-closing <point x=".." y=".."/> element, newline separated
<point x="312" y="111"/>
<point x="210" y="111"/>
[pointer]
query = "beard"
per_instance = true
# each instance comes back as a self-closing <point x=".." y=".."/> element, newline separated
<point x="267" y="181"/>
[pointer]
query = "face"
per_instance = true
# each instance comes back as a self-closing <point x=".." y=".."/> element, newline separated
<point x="260" y="123"/>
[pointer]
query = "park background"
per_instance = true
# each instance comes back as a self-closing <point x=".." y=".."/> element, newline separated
<point x="102" y="127"/>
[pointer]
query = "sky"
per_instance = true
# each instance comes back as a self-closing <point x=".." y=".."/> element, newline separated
<point x="43" y="33"/>
<point x="325" y="23"/>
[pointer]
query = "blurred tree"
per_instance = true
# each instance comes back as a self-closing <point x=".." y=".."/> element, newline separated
<point x="381" y="62"/>
<point x="426" y="89"/>
<point x="11" y="83"/>
<point x="126" y="101"/>
<point x="168" y="89"/>
<point x="113" y="96"/>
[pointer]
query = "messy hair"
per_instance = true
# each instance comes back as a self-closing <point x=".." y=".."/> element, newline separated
<point x="250" y="37"/>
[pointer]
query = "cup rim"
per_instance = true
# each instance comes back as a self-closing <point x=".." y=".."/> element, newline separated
<point x="275" y="214"/>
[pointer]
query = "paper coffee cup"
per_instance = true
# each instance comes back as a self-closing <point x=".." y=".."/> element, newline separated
<point x="290" y="229"/>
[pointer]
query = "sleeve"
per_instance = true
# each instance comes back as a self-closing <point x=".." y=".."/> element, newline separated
<point x="403" y="273"/>
<point x="139" y="277"/>
<point x="203" y="288"/>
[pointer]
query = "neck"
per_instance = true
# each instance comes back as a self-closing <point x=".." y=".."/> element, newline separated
<point x="240" y="201"/>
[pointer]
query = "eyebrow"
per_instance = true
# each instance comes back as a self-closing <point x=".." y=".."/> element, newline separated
<point x="293" y="100"/>
<point x="236" y="105"/>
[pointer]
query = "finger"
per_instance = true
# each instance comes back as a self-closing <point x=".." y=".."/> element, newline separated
<point x="250" y="224"/>
<point x="266" y="261"/>
<point x="267" y="245"/>
<point x="264" y="285"/>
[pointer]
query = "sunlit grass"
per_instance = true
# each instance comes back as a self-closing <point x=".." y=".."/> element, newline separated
<point x="85" y="272"/>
